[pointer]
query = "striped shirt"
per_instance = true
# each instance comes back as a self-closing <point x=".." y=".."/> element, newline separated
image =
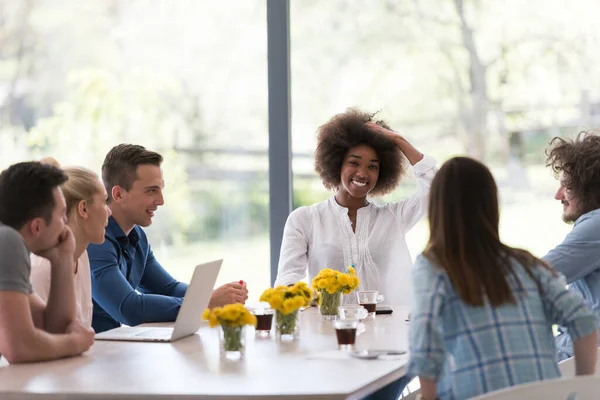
<point x="474" y="350"/>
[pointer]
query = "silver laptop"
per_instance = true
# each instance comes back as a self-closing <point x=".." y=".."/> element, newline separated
<point x="189" y="318"/>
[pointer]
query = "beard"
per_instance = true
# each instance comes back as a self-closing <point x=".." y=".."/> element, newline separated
<point x="570" y="215"/>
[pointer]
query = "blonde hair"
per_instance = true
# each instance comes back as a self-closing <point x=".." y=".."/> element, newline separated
<point x="83" y="184"/>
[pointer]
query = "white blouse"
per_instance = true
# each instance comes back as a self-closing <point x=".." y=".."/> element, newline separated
<point x="320" y="236"/>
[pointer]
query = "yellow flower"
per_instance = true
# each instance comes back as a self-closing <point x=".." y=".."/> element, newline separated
<point x="333" y="281"/>
<point x="299" y="302"/>
<point x="249" y="319"/>
<point x="234" y="315"/>
<point x="266" y="296"/>
<point x="288" y="299"/>
<point x="276" y="301"/>
<point x="345" y="280"/>
<point x="288" y="306"/>
<point x="213" y="321"/>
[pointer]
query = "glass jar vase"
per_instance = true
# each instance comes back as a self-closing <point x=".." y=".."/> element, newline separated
<point x="287" y="326"/>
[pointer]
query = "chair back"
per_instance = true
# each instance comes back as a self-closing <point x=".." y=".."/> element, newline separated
<point x="580" y="388"/>
<point x="567" y="367"/>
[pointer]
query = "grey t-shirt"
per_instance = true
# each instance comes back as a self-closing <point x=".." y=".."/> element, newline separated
<point x="15" y="265"/>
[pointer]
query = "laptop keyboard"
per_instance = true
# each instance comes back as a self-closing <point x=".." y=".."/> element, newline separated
<point x="159" y="334"/>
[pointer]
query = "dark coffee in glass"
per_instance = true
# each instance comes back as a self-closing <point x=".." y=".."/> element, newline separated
<point x="370" y="307"/>
<point x="346" y="336"/>
<point x="264" y="322"/>
<point x="345" y="331"/>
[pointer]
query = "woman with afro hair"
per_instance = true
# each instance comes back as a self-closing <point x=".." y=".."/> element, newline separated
<point x="358" y="157"/>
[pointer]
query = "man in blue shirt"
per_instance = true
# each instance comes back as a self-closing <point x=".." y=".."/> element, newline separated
<point x="577" y="165"/>
<point x="129" y="286"/>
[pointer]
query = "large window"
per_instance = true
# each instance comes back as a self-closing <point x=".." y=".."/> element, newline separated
<point x="492" y="79"/>
<point x="185" y="78"/>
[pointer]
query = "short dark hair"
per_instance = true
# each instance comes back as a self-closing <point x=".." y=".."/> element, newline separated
<point x="26" y="192"/>
<point x="120" y="165"/>
<point x="579" y="160"/>
<point x="347" y="130"/>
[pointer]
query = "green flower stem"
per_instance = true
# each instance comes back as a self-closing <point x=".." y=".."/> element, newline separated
<point x="329" y="302"/>
<point x="286" y="324"/>
<point x="232" y="338"/>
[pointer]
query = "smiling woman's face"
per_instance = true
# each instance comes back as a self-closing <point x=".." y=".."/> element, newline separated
<point x="360" y="170"/>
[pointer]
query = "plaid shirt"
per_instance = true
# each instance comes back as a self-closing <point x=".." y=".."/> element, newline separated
<point x="473" y="350"/>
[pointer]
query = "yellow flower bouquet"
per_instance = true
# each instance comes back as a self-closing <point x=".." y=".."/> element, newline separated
<point x="232" y="318"/>
<point x="286" y="301"/>
<point x="330" y="284"/>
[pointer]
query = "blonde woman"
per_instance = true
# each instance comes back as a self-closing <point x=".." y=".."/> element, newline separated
<point x="87" y="216"/>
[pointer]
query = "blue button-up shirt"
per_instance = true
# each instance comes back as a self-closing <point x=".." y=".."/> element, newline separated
<point x="474" y="350"/>
<point x="578" y="259"/>
<point x="129" y="286"/>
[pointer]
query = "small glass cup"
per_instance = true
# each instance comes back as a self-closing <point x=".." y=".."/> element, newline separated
<point x="232" y="342"/>
<point x="287" y="326"/>
<point x="264" y="321"/>
<point x="345" y="330"/>
<point x="356" y="312"/>
<point x="369" y="299"/>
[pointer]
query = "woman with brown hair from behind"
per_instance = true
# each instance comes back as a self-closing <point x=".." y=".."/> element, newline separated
<point x="483" y="311"/>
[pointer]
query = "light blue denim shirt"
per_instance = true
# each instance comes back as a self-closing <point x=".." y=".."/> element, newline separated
<point x="578" y="259"/>
<point x="474" y="350"/>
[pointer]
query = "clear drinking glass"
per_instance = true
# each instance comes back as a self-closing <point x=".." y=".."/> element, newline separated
<point x="357" y="312"/>
<point x="345" y="330"/>
<point x="264" y="321"/>
<point x="369" y="299"/>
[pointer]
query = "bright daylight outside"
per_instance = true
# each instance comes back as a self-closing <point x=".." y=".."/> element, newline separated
<point x="492" y="79"/>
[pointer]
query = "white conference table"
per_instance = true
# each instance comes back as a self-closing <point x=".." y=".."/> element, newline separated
<point x="192" y="368"/>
